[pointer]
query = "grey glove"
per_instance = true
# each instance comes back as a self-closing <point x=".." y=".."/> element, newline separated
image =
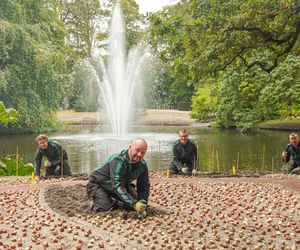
<point x="185" y="170"/>
<point x="47" y="164"/>
<point x="194" y="172"/>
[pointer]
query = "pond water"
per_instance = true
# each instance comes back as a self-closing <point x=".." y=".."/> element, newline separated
<point x="218" y="149"/>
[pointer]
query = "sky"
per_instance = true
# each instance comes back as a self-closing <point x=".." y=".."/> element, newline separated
<point x="153" y="5"/>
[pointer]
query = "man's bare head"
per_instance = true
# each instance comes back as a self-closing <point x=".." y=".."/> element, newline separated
<point x="42" y="140"/>
<point x="137" y="150"/>
<point x="294" y="139"/>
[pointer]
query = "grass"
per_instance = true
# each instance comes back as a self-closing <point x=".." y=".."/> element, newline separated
<point x="282" y="124"/>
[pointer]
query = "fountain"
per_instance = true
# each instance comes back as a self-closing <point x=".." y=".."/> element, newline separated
<point x="119" y="76"/>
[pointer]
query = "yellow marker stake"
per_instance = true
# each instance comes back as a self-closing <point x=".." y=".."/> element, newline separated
<point x="233" y="170"/>
<point x="168" y="173"/>
<point x="32" y="177"/>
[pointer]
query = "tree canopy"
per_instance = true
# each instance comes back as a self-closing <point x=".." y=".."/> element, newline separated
<point x="235" y="61"/>
<point x="242" y="45"/>
<point x="32" y="59"/>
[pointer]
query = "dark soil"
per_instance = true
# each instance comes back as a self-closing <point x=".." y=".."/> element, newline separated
<point x="67" y="200"/>
<point x="72" y="200"/>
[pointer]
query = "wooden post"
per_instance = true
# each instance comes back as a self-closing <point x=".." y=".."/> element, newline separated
<point x="62" y="163"/>
<point x="213" y="159"/>
<point x="158" y="156"/>
<point x="263" y="158"/>
<point x="237" y="161"/>
<point x="272" y="165"/>
<point x="217" y="158"/>
<point x="17" y="161"/>
<point x="198" y="159"/>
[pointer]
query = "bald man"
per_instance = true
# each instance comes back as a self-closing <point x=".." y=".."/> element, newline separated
<point x="110" y="185"/>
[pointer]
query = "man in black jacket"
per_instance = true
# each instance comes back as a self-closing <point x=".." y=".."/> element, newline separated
<point x="110" y="185"/>
<point x="54" y="153"/>
<point x="184" y="155"/>
<point x="292" y="150"/>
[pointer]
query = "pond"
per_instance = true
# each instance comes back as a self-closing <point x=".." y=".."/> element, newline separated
<point x="219" y="149"/>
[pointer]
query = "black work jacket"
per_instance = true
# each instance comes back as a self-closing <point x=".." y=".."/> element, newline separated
<point x="116" y="175"/>
<point x="52" y="153"/>
<point x="293" y="152"/>
<point x="184" y="153"/>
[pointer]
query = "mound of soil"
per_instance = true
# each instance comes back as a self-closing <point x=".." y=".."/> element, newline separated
<point x="67" y="200"/>
<point x="72" y="200"/>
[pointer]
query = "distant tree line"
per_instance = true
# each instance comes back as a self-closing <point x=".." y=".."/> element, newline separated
<point x="236" y="61"/>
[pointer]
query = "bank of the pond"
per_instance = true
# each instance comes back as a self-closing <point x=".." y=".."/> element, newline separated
<point x="148" y="117"/>
<point x="166" y="117"/>
<point x="285" y="124"/>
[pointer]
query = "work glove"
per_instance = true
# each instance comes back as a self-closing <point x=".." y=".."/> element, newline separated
<point x="141" y="216"/>
<point x="194" y="172"/>
<point x="47" y="163"/>
<point x="140" y="206"/>
<point x="296" y="170"/>
<point x="185" y="170"/>
<point x="37" y="179"/>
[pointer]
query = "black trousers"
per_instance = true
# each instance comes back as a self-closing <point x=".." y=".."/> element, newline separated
<point x="106" y="201"/>
<point x="292" y="167"/>
<point x="175" y="167"/>
<point x="56" y="169"/>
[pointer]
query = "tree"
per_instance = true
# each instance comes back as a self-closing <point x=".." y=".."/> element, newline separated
<point x="205" y="102"/>
<point x="239" y="43"/>
<point x="82" y="19"/>
<point x="32" y="61"/>
<point x="281" y="96"/>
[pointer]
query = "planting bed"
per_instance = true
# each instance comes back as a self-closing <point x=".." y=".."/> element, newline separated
<point x="184" y="213"/>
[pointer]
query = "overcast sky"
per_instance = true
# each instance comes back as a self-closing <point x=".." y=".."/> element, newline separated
<point x="153" y="5"/>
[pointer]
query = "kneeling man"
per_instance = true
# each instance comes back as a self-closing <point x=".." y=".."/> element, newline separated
<point x="184" y="155"/>
<point x="110" y="185"/>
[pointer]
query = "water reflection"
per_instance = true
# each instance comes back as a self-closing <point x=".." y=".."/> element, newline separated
<point x="218" y="149"/>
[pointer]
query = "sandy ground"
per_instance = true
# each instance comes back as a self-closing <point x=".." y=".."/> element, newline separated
<point x="150" y="117"/>
<point x="183" y="213"/>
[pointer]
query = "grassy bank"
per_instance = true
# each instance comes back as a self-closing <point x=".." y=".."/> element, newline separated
<point x="281" y="124"/>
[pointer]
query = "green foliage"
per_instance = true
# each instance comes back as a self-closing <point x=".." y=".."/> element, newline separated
<point x="282" y="95"/>
<point x="205" y="102"/>
<point x="246" y="53"/>
<point x="81" y="18"/>
<point x="133" y="20"/>
<point x="238" y="97"/>
<point x="9" y="115"/>
<point x="11" y="166"/>
<point x="250" y="47"/>
<point x="82" y="90"/>
<point x="158" y="85"/>
<point x="31" y="62"/>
